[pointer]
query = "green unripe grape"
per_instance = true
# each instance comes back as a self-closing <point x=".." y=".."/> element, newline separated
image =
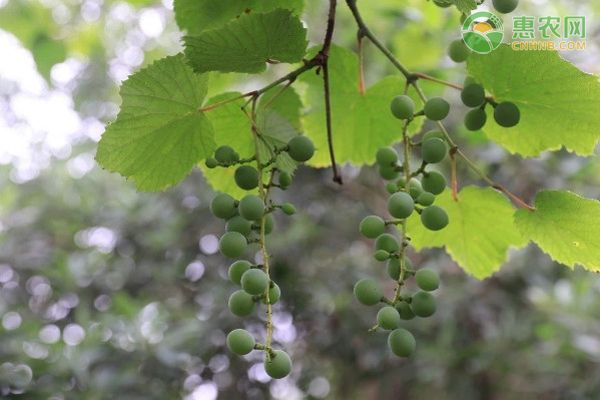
<point x="423" y="304"/>
<point x="505" y="6"/>
<point x="246" y="177"/>
<point x="387" y="242"/>
<point x="405" y="311"/>
<point x="232" y="244"/>
<point x="381" y="255"/>
<point x="402" y="342"/>
<point x="226" y="155"/>
<point x="285" y="180"/>
<point x="442" y="3"/>
<point x="211" y="163"/>
<point x="279" y="366"/>
<point x="433" y="150"/>
<point x="475" y="119"/>
<point x="402" y="107"/>
<point x="436" y="109"/>
<point x="393" y="267"/>
<point x="434" y="134"/>
<point x="274" y="294"/>
<point x="426" y="199"/>
<point x="301" y="148"/>
<point x="427" y="280"/>
<point x="391" y="188"/>
<point x="507" y="114"/>
<point x="388" y="318"/>
<point x="386" y="157"/>
<point x="255" y="281"/>
<point x="400" y="205"/>
<point x="237" y="269"/>
<point x="239" y="224"/>
<point x="473" y="95"/>
<point x="458" y="51"/>
<point x="269" y="223"/>
<point x="434" y="182"/>
<point x="251" y="207"/>
<point x="288" y="209"/>
<point x="368" y="292"/>
<point x="240" y="342"/>
<point x="401" y="182"/>
<point x="388" y="173"/>
<point x="415" y="188"/>
<point x="241" y="303"/>
<point x="434" y="218"/>
<point x="223" y="206"/>
<point x="372" y="226"/>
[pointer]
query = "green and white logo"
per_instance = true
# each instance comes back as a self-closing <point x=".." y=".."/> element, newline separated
<point x="483" y="32"/>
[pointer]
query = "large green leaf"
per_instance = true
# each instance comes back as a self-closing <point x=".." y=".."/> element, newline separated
<point x="480" y="232"/>
<point x="361" y="123"/>
<point x="159" y="134"/>
<point x="566" y="227"/>
<point x="195" y="16"/>
<point x="560" y="105"/>
<point x="248" y="43"/>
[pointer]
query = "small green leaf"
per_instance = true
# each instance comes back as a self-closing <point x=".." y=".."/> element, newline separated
<point x="362" y="123"/>
<point x="159" y="134"/>
<point x="248" y="43"/>
<point x="195" y="16"/>
<point x="559" y="104"/>
<point x="566" y="226"/>
<point x="480" y="232"/>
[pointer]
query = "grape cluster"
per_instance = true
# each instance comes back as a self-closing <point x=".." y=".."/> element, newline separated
<point x="473" y="95"/>
<point x="248" y="220"/>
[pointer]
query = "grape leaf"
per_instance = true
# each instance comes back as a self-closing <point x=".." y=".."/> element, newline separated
<point x="566" y="226"/>
<point x="465" y="6"/>
<point x="248" y="43"/>
<point x="560" y="105"/>
<point x="159" y="135"/>
<point x="362" y="123"/>
<point x="480" y="232"/>
<point x="195" y="16"/>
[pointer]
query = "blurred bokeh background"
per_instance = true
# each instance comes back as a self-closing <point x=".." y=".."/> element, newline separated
<point x="106" y="293"/>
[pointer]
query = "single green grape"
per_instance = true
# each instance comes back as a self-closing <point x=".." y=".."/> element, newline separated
<point x="402" y="107"/>
<point x="393" y="267"/>
<point x="232" y="244"/>
<point x="436" y="109"/>
<point x="426" y="199"/>
<point x="442" y="3"/>
<point x="246" y="177"/>
<point x="507" y="114"/>
<point x="274" y="294"/>
<point x="238" y="224"/>
<point x="226" y="155"/>
<point x="387" y="242"/>
<point x="223" y="206"/>
<point x="402" y="342"/>
<point x="368" y="292"/>
<point x="269" y="223"/>
<point x="386" y="157"/>
<point x="381" y="255"/>
<point x="473" y="95"/>
<point x="427" y="280"/>
<point x="288" y="209"/>
<point x="301" y="148"/>
<point x="433" y="150"/>
<point x="372" y="226"/>
<point x="388" y="173"/>
<point x="505" y="6"/>
<point x="458" y="51"/>
<point x="434" y="218"/>
<point x="255" y="281"/>
<point x="401" y="205"/>
<point x="240" y="342"/>
<point x="423" y="304"/>
<point x="475" y="119"/>
<point x="251" y="207"/>
<point x="406" y="313"/>
<point x="279" y="365"/>
<point x="434" y="182"/>
<point x="415" y="188"/>
<point x="285" y="180"/>
<point x="237" y="269"/>
<point x="241" y="303"/>
<point x="211" y="163"/>
<point x="391" y="188"/>
<point x="388" y="318"/>
<point x="401" y="182"/>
